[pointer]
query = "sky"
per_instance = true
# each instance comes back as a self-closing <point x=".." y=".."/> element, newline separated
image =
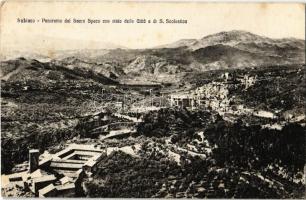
<point x="271" y="20"/>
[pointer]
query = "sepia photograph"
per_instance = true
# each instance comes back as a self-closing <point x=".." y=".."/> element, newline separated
<point x="124" y="99"/>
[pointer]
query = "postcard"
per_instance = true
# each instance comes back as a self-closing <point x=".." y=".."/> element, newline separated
<point x="134" y="99"/>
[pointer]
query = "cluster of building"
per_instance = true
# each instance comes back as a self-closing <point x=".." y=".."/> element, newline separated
<point x="214" y="95"/>
<point x="55" y="175"/>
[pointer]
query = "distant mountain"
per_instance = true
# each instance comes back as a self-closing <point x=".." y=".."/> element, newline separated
<point x="233" y="49"/>
<point x="234" y="38"/>
<point x="169" y="63"/>
<point x="224" y="50"/>
<point x="231" y="38"/>
<point x="22" y="69"/>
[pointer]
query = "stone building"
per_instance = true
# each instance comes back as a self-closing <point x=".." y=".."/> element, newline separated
<point x="56" y="175"/>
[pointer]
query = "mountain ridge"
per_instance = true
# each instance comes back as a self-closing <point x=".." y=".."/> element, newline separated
<point x="226" y="37"/>
<point x="224" y="50"/>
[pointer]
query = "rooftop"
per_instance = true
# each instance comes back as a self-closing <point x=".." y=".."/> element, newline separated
<point x="34" y="151"/>
<point x="66" y="165"/>
<point x="65" y="180"/>
<point x="65" y="186"/>
<point x="44" y="178"/>
<point x="46" y="189"/>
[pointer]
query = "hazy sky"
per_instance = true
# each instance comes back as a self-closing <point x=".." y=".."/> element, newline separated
<point x="272" y="20"/>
